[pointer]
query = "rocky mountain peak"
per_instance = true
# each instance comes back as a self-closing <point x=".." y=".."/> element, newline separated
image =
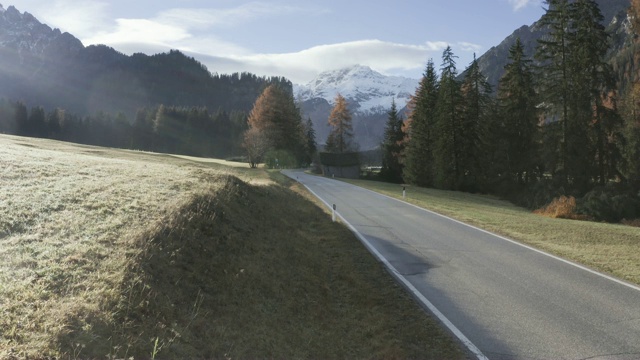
<point x="25" y="34"/>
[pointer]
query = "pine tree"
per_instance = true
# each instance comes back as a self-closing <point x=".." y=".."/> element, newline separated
<point x="519" y="114"/>
<point x="22" y="119"/>
<point x="632" y="112"/>
<point x="37" y="124"/>
<point x="593" y="81"/>
<point x="143" y="130"/>
<point x="476" y="110"/>
<point x="340" y="139"/>
<point x="578" y="89"/>
<point x="311" y="145"/>
<point x="553" y="51"/>
<point x="392" y="146"/>
<point x="418" y="160"/>
<point x="632" y="134"/>
<point x="447" y="151"/>
<point x="164" y="130"/>
<point x="54" y="120"/>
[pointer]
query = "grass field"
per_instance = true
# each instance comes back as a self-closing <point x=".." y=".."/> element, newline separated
<point x="119" y="254"/>
<point x="609" y="248"/>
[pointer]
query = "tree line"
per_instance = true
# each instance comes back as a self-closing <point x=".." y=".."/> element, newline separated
<point x="550" y="129"/>
<point x="180" y="130"/>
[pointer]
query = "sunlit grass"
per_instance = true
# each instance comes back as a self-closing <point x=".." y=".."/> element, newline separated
<point x="117" y="254"/>
<point x="66" y="220"/>
<point x="610" y="248"/>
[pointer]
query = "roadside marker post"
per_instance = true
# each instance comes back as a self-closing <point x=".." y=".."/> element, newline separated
<point x="333" y="213"/>
<point x="404" y="192"/>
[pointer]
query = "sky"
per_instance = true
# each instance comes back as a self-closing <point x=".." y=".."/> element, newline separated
<point x="297" y="39"/>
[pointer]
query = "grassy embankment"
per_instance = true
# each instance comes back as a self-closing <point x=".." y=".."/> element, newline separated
<point x="609" y="248"/>
<point x="118" y="254"/>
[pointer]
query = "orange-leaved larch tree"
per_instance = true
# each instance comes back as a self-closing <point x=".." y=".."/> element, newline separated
<point x="276" y="124"/>
<point x="340" y="139"/>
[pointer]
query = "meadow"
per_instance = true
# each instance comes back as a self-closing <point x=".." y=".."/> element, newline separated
<point x="121" y="254"/>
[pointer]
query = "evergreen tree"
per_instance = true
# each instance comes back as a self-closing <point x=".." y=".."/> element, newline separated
<point x="632" y="134"/>
<point x="519" y="114"/>
<point x="143" y="130"/>
<point x="631" y="109"/>
<point x="54" y="120"/>
<point x="553" y="51"/>
<point x="310" y="136"/>
<point x="22" y="119"/>
<point x="578" y="90"/>
<point x="340" y="139"/>
<point x="164" y="130"/>
<point x="37" y="122"/>
<point x="595" y="124"/>
<point x="476" y="110"/>
<point x="447" y="151"/>
<point x="392" y="146"/>
<point x="418" y="158"/>
<point x="8" y="117"/>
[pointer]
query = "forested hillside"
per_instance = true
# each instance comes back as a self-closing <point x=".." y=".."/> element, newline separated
<point x="560" y="126"/>
<point x="52" y="86"/>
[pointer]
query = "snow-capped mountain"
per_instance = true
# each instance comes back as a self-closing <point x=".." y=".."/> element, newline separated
<point x="368" y="93"/>
<point x="366" y="90"/>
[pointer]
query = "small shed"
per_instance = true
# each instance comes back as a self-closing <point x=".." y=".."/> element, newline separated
<point x="344" y="165"/>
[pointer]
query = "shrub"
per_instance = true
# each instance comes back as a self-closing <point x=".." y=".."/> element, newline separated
<point x="562" y="207"/>
<point x="611" y="204"/>
<point x="533" y="196"/>
<point x="280" y="159"/>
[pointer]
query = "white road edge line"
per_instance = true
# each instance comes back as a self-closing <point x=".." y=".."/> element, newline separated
<point x="474" y="349"/>
<point x="582" y="267"/>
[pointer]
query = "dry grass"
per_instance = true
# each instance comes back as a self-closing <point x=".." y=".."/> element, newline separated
<point x="118" y="254"/>
<point x="562" y="207"/>
<point x="67" y="217"/>
<point x="609" y="248"/>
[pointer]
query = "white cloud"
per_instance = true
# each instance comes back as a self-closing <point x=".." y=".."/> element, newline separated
<point x="206" y="18"/>
<point x="469" y="47"/>
<point x="139" y="30"/>
<point x="520" y="4"/>
<point x="77" y="18"/>
<point x="300" y="67"/>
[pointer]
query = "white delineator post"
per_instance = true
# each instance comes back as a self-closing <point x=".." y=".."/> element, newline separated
<point x="333" y="213"/>
<point x="404" y="192"/>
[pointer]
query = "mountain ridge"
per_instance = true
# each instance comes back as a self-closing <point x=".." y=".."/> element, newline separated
<point x="41" y="66"/>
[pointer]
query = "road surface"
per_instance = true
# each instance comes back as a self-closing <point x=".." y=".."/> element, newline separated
<point x="502" y="299"/>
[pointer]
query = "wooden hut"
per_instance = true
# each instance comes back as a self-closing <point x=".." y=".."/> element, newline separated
<point x="344" y="165"/>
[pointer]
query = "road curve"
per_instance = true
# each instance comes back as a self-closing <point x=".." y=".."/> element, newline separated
<point x="508" y="300"/>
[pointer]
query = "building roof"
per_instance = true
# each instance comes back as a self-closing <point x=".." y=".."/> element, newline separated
<point x="342" y="159"/>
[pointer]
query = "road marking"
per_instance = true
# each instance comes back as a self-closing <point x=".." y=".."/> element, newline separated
<point x="582" y="267"/>
<point x="417" y="294"/>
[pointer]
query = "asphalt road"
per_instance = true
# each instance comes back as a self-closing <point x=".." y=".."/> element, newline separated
<point x="504" y="300"/>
